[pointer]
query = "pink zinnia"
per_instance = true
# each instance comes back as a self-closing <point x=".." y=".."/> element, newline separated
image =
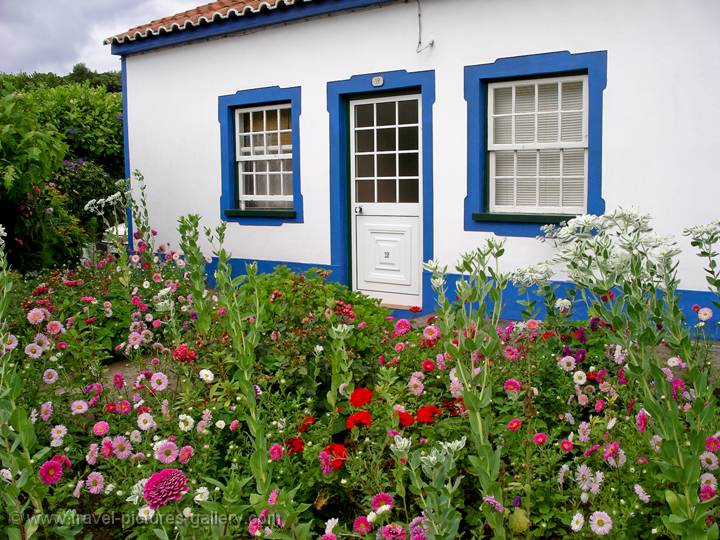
<point x="512" y="386"/>
<point x="167" y="452"/>
<point x="164" y="487"/>
<point x="381" y="499"/>
<point x="101" y="428"/>
<point x="186" y="452"/>
<point x="431" y="332"/>
<point x="712" y="444"/>
<point x="276" y="451"/>
<point x="121" y="447"/>
<point x="106" y="448"/>
<point x="51" y="472"/>
<point x="402" y="327"/>
<point x="95" y="482"/>
<point x="540" y="438"/>
<point x="510" y="353"/>
<point x="566" y="445"/>
<point x="641" y="420"/>
<point x="394" y="531"/>
<point x="361" y="525"/>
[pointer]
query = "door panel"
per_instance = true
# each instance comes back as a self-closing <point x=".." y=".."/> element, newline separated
<point x="386" y="197"/>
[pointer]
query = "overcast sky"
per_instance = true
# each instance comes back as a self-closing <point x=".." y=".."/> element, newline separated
<point x="54" y="35"/>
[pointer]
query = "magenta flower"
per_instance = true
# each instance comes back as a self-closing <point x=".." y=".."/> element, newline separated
<point x="276" y="451"/>
<point x="402" y="327"/>
<point x="381" y="499"/>
<point x="540" y="438"/>
<point x="164" y="487"/>
<point x="641" y="420"/>
<point x="361" y="525"/>
<point x="118" y="381"/>
<point x="166" y="452"/>
<point x="50" y="472"/>
<point x="512" y="386"/>
<point x="394" y="531"/>
<point x="101" y="428"/>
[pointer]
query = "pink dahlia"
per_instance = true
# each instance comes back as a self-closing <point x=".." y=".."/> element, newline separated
<point x="165" y="486"/>
<point x="381" y="499"/>
<point x="512" y="386"/>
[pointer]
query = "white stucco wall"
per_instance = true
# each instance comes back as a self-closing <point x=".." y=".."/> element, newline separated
<point x="660" y="126"/>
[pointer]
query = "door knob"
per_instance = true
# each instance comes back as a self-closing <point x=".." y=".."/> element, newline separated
<point x="358" y="209"/>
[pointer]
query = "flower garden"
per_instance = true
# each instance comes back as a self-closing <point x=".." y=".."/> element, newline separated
<point x="287" y="406"/>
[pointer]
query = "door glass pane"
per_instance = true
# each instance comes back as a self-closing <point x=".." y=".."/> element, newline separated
<point x="386" y="139"/>
<point x="408" y="111"/>
<point x="408" y="164"/>
<point x="364" y="140"/>
<point x="408" y="138"/>
<point x="364" y="191"/>
<point x="364" y="115"/>
<point x="386" y="165"/>
<point x="386" y="114"/>
<point x="386" y="190"/>
<point x="364" y="166"/>
<point x="408" y="191"/>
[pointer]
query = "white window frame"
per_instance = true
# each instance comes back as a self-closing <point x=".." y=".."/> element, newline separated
<point x="492" y="147"/>
<point x="241" y="158"/>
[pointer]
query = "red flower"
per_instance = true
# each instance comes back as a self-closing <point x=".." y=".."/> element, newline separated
<point x="428" y="365"/>
<point x="362" y="418"/>
<point x="338" y="454"/>
<point x="695" y="307"/>
<point x="360" y="397"/>
<point x="306" y="423"/>
<point x="406" y="419"/>
<point x="416" y="309"/>
<point x="427" y="414"/>
<point x="294" y="445"/>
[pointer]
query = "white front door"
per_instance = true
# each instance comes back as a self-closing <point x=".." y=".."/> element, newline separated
<point x="386" y="198"/>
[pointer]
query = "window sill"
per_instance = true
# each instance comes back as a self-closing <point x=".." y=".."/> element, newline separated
<point x="284" y="214"/>
<point x="544" y="219"/>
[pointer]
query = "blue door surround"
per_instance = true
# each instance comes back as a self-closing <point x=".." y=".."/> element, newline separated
<point x="339" y="94"/>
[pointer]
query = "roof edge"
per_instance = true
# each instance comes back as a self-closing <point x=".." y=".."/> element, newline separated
<point x="233" y="21"/>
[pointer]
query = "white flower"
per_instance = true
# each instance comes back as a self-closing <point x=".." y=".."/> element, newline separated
<point x="109" y="488"/>
<point x="186" y="422"/>
<point x="577" y="522"/>
<point x="611" y="423"/>
<point x="532" y="274"/>
<point x="319" y="349"/>
<point x="187" y="512"/>
<point x="202" y="494"/>
<point x="146" y="284"/>
<point x="579" y="377"/>
<point x="371" y="517"/>
<point x="563" y="304"/>
<point x="207" y="375"/>
<point x="56" y="443"/>
<point x="220" y="424"/>
<point x="330" y="525"/>
<point x="146" y="513"/>
<point x="384" y="508"/>
<point x="5" y="473"/>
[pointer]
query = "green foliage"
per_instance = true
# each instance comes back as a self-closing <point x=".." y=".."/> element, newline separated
<point x="80" y="73"/>
<point x="89" y="121"/>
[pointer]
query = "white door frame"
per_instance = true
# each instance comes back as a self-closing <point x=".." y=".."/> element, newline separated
<point x="389" y="298"/>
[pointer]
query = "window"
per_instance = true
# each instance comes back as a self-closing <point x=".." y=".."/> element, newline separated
<point x="260" y="152"/>
<point x="263" y="150"/>
<point x="534" y="141"/>
<point x="537" y="150"/>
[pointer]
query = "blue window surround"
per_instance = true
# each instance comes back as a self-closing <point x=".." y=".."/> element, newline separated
<point x="126" y="148"/>
<point x="339" y="94"/>
<point x="226" y="116"/>
<point x="520" y="67"/>
<point x="279" y="15"/>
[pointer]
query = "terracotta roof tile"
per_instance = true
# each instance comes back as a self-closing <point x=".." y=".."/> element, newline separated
<point x="208" y="13"/>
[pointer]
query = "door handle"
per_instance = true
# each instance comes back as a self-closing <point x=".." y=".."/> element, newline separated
<point x="358" y="209"/>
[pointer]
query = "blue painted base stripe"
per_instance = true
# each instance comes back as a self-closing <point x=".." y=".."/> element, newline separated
<point x="512" y="309"/>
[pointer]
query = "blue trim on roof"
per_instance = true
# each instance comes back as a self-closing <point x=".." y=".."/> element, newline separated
<point x="300" y="10"/>
<point x="338" y="94"/>
<point x="555" y="63"/>
<point x="126" y="148"/>
<point x="512" y="308"/>
<point x="249" y="98"/>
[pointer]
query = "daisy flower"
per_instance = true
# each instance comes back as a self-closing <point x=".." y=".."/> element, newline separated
<point x="567" y="363"/>
<point x="600" y="523"/>
<point x="121" y="447"/>
<point x="185" y="422"/>
<point x="145" y="421"/>
<point x="46" y="410"/>
<point x="36" y="316"/>
<point x="33" y="350"/>
<point x="79" y="406"/>
<point x="158" y="382"/>
<point x="166" y="452"/>
<point x="146" y="513"/>
<point x="579" y="377"/>
<point x="709" y="461"/>
<point x="202" y="494"/>
<point x="577" y="522"/>
<point x="58" y="432"/>
<point x="206" y="375"/>
<point x="50" y="376"/>
<point x="95" y="483"/>
<point x="54" y="328"/>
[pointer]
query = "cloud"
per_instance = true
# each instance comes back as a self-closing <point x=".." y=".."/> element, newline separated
<point x="42" y="35"/>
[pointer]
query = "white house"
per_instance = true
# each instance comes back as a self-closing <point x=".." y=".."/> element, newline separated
<point x="366" y="136"/>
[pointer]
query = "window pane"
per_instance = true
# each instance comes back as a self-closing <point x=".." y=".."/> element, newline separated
<point x="245" y="123"/>
<point x="272" y="120"/>
<point x="524" y="128"/>
<point x="549" y="192"/>
<point x="258" y="121"/>
<point x="386" y="114"/>
<point x="503" y="101"/>
<point x="284" y="118"/>
<point x="364" y="140"/>
<point x="364" y="191"/>
<point x="365" y="166"/>
<point x="408" y="138"/>
<point x="548" y="127"/>
<point x="272" y="140"/>
<point x="364" y="115"/>
<point x="261" y="166"/>
<point x="572" y="95"/>
<point x="286" y="140"/>
<point x="574" y="162"/>
<point x="248" y="185"/>
<point x="549" y="162"/>
<point x="386" y="165"/>
<point x="258" y="144"/>
<point x="526" y="192"/>
<point x="408" y="191"/>
<point x="247" y="166"/>
<point x="386" y="139"/>
<point x="287" y="184"/>
<point x="408" y="112"/>
<point x="503" y="130"/>
<point x="245" y="147"/>
<point x="525" y="98"/>
<point x="548" y="97"/>
<point x="386" y="191"/>
<point x="527" y="163"/>
<point x="275" y="184"/>
<point x="505" y="163"/>
<point x="274" y="165"/>
<point x="287" y="165"/>
<point x="408" y="164"/>
<point x="261" y="184"/>
<point x="504" y="192"/>
<point x="571" y="126"/>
